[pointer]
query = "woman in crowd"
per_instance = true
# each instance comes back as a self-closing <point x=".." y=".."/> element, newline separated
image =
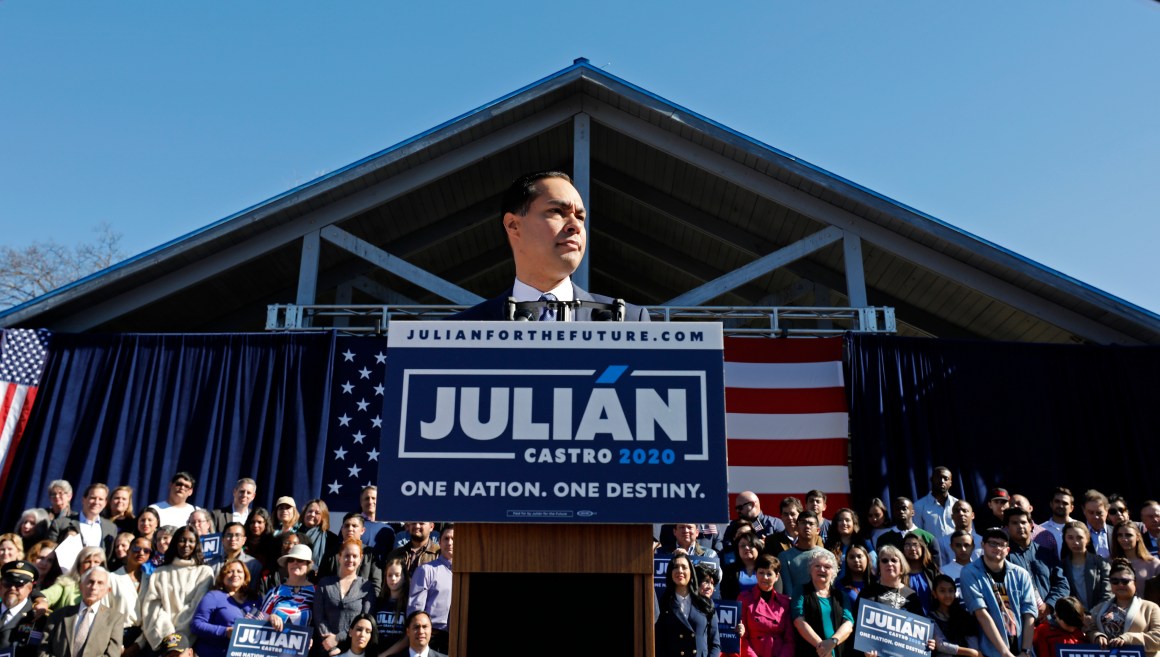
<point x="741" y="575"/>
<point x="259" y="534"/>
<point x="765" y="614"/>
<point x="878" y="519"/>
<point x="855" y="576"/>
<point x="922" y="570"/>
<point x="125" y="584"/>
<point x="161" y="541"/>
<point x="340" y="598"/>
<point x="891" y="589"/>
<point x="291" y="603"/>
<point x="33" y="525"/>
<point x="42" y="556"/>
<point x="11" y="548"/>
<point x="1126" y="620"/>
<point x="845" y="533"/>
<point x="200" y="522"/>
<point x="174" y="589"/>
<point x="285" y="516"/>
<point x="148" y="522"/>
<point x="1086" y="571"/>
<point x="363" y="634"/>
<point x="67" y="588"/>
<point x="230" y="599"/>
<point x="120" y="509"/>
<point x="120" y="550"/>
<point x="316" y="526"/>
<point x="1127" y="543"/>
<point x="392" y="607"/>
<point x="686" y="624"/>
<point x="823" y="624"/>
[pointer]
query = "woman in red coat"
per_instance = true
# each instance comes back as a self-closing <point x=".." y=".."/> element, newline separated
<point x="765" y="614"/>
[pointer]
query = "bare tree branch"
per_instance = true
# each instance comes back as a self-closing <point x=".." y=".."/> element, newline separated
<point x="39" y="268"/>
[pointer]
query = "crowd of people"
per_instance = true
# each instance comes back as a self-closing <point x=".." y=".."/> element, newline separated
<point x="174" y="578"/>
<point x="997" y="585"/>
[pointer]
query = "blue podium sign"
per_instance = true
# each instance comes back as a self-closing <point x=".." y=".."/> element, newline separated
<point x="555" y="422"/>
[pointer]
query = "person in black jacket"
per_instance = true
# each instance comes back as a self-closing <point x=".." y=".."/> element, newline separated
<point x="685" y="621"/>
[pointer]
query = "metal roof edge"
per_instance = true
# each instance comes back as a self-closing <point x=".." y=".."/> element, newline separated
<point x="1118" y="303"/>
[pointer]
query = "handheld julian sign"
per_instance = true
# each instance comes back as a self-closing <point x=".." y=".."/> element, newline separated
<point x="252" y="638"/>
<point x="892" y="632"/>
<point x="555" y="422"/>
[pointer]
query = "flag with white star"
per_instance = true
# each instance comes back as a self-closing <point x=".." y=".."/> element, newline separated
<point x="356" y="421"/>
<point x="22" y="356"/>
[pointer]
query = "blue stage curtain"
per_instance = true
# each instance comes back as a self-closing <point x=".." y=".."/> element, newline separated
<point x="134" y="409"/>
<point x="1027" y="417"/>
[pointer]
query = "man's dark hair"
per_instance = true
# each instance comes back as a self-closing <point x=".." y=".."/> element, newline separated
<point x="355" y="514"/>
<point x="524" y="190"/>
<point x="816" y="494"/>
<point x="411" y="616"/>
<point x="792" y="503"/>
<point x="1014" y="512"/>
<point x="183" y="475"/>
<point x="808" y="515"/>
<point x="1060" y="490"/>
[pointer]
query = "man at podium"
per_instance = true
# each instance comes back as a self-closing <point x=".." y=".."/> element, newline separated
<point x="543" y="216"/>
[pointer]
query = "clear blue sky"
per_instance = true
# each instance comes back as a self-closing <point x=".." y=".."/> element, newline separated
<point x="1031" y="124"/>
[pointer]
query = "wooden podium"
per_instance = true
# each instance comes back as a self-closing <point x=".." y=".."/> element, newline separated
<point x="552" y="589"/>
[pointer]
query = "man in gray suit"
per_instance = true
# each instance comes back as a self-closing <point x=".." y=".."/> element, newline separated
<point x="90" y="629"/>
<point x="95" y="530"/>
<point x="543" y="217"/>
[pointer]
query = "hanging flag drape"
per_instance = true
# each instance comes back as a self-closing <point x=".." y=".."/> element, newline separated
<point x="22" y="356"/>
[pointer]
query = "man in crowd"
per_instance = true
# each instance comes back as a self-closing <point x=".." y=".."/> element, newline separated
<point x="233" y="544"/>
<point x="418" y="628"/>
<point x="1001" y="597"/>
<point x="379" y="536"/>
<point x="1039" y="534"/>
<point x="1095" y="510"/>
<point x="94" y="530"/>
<point x="1062" y="504"/>
<point x="935" y="512"/>
<point x="963" y="516"/>
<point x="431" y="589"/>
<point x="816" y="502"/>
<point x="175" y="509"/>
<point x="997" y="501"/>
<point x="239" y="510"/>
<point x="903" y="515"/>
<point x="88" y="629"/>
<point x="777" y="543"/>
<point x="1150" y="517"/>
<point x="1043" y="566"/>
<point x="543" y="217"/>
<point x="748" y="507"/>
<point x="419" y="548"/>
<point x="60" y="494"/>
<point x="18" y="620"/>
<point x="963" y="551"/>
<point x="795" y="561"/>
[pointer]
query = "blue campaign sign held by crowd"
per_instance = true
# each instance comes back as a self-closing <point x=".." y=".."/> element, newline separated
<point x="211" y="548"/>
<point x="562" y="422"/>
<point x="252" y="638"/>
<point x="728" y="616"/>
<point x="892" y="632"/>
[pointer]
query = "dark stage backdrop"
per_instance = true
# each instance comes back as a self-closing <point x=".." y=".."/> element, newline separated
<point x="135" y="408"/>
<point x="1027" y="417"/>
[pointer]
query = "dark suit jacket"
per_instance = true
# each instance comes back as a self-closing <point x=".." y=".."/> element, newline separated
<point x="108" y="530"/>
<point x="8" y="631"/>
<point x="675" y="635"/>
<point x="493" y="309"/>
<point x="1095" y="579"/>
<point x="104" y="636"/>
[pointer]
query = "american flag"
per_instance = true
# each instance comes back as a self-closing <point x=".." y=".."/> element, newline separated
<point x="22" y="356"/>
<point x="787" y="421"/>
<point x="356" y="420"/>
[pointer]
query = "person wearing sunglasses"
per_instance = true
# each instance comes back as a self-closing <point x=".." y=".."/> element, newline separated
<point x="176" y="509"/>
<point x="1126" y="620"/>
<point x="748" y="507"/>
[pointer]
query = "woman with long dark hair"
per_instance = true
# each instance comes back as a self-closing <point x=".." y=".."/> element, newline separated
<point x="686" y="623"/>
<point x="741" y="575"/>
<point x="822" y="622"/>
<point x="1086" y="572"/>
<point x="846" y="532"/>
<point x="171" y="595"/>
